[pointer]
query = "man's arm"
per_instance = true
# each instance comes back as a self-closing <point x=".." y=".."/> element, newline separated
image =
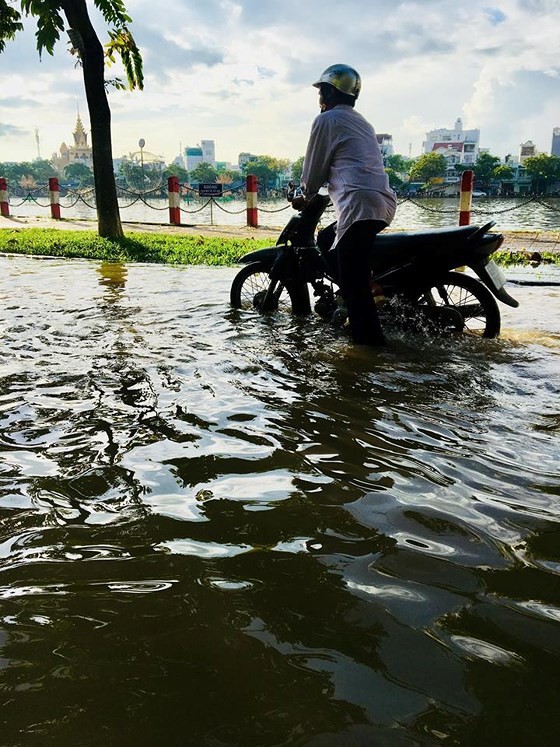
<point x="317" y="158"/>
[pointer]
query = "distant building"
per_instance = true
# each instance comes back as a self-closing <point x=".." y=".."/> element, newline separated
<point x="226" y="166"/>
<point x="193" y="156"/>
<point x="205" y="152"/>
<point x="244" y="158"/>
<point x="386" y="144"/>
<point x="527" y="150"/>
<point x="457" y="146"/>
<point x="208" y="152"/>
<point x="555" y="147"/>
<point x="80" y="152"/>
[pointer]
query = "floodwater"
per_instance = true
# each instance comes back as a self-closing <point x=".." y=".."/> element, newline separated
<point x="221" y="529"/>
<point x="509" y="214"/>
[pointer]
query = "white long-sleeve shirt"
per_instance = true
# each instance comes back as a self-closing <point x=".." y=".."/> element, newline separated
<point x="343" y="151"/>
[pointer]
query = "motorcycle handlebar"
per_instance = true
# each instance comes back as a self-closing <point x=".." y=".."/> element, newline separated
<point x="293" y="191"/>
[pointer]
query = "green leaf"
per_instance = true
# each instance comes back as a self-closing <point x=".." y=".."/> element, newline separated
<point x="49" y="27"/>
<point x="10" y="23"/>
<point x="122" y="43"/>
<point x="114" y="12"/>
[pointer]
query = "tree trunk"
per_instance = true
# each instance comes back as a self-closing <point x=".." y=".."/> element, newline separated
<point x="93" y="62"/>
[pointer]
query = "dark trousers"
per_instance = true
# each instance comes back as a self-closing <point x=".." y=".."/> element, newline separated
<point x="352" y="257"/>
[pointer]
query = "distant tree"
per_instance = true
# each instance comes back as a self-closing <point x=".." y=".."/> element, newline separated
<point x="484" y="169"/>
<point x="297" y="168"/>
<point x="173" y="169"/>
<point x="80" y="173"/>
<point x="227" y="176"/>
<point x="130" y="174"/>
<point x="399" y="164"/>
<point x="267" y="169"/>
<point x="203" y="172"/>
<point x="543" y="169"/>
<point x="395" y="180"/>
<point x="36" y="172"/>
<point x="224" y="178"/>
<point x="5" y="170"/>
<point x="50" y="15"/>
<point x="12" y="172"/>
<point x="427" y="167"/>
<point x="27" y="182"/>
<point x="140" y="176"/>
<point x="42" y="170"/>
<point x="503" y="172"/>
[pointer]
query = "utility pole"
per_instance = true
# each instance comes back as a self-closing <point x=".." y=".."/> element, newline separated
<point x="141" y="144"/>
<point x="38" y="141"/>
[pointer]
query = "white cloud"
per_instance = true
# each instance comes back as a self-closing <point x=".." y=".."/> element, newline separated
<point x="239" y="72"/>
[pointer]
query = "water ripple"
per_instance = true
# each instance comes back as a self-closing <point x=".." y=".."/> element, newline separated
<point x="244" y="529"/>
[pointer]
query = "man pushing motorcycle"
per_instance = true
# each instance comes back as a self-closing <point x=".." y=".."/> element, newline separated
<point x="343" y="152"/>
<point x="414" y="273"/>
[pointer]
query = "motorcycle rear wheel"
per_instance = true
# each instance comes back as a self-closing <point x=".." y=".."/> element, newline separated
<point x="471" y="298"/>
<point x="252" y="286"/>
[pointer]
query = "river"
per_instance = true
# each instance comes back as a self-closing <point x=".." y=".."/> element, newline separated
<point x="509" y="214"/>
<point x="222" y="529"/>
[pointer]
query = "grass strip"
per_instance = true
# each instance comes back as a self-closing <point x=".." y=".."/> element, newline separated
<point x="159" y="248"/>
<point x="171" y="249"/>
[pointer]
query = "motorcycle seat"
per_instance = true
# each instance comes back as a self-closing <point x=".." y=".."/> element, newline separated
<point x="432" y="237"/>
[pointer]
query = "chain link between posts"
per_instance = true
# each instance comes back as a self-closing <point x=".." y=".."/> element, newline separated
<point x="481" y="211"/>
<point x="143" y="197"/>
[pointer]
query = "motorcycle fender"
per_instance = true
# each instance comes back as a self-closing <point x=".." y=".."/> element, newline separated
<point x="266" y="255"/>
<point x="492" y="276"/>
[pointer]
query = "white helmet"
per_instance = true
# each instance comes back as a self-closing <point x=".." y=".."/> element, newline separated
<point x="343" y="77"/>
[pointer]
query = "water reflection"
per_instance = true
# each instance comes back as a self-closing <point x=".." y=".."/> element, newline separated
<point x="112" y="276"/>
<point x="222" y="529"/>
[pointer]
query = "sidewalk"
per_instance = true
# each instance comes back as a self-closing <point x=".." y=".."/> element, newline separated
<point x="532" y="241"/>
<point x="241" y="232"/>
<point x="529" y="241"/>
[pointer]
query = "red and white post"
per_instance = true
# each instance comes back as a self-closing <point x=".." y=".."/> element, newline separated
<point x="4" y="204"/>
<point x="252" y="210"/>
<point x="54" y="193"/>
<point x="174" y="200"/>
<point x="465" y="201"/>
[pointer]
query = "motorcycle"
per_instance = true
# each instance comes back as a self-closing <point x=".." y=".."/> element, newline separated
<point x="418" y="278"/>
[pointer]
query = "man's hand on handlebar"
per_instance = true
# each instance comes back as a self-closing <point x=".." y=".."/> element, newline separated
<point x="299" y="202"/>
<point x="295" y="195"/>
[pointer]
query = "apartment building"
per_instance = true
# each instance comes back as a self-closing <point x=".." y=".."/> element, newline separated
<point x="458" y="146"/>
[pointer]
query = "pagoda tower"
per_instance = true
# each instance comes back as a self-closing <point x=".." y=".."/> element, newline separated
<point x="81" y="148"/>
<point x="79" y="152"/>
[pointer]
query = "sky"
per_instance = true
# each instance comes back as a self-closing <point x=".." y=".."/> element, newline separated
<point x="239" y="72"/>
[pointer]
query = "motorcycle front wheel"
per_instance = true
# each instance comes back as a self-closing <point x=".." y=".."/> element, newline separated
<point x="252" y="288"/>
<point x="472" y="300"/>
<point x="249" y="287"/>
